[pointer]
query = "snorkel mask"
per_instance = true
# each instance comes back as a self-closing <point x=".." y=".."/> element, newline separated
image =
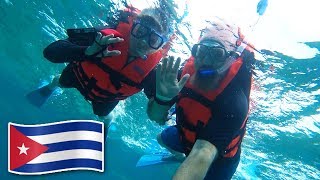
<point x="216" y="52"/>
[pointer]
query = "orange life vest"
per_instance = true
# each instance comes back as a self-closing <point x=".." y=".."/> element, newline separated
<point x="112" y="78"/>
<point x="194" y="109"/>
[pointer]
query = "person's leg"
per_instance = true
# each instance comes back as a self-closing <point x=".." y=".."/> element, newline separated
<point x="170" y="139"/>
<point x="67" y="79"/>
<point x="54" y="83"/>
<point x="106" y="119"/>
<point x="39" y="96"/>
<point x="103" y="111"/>
<point x="223" y="168"/>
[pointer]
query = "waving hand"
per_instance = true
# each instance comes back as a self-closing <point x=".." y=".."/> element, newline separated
<point x="167" y="84"/>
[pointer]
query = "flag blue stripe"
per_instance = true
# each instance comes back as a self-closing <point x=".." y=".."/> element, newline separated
<point x="57" y="128"/>
<point x="60" y="165"/>
<point x="79" y="144"/>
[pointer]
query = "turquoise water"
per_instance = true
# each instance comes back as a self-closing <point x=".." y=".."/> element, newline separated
<point x="283" y="137"/>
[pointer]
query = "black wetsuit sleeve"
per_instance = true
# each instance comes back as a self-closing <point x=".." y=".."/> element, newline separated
<point x="230" y="113"/>
<point x="65" y="51"/>
<point x="149" y="84"/>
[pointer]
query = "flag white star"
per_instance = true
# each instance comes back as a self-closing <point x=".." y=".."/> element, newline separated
<point x="23" y="149"/>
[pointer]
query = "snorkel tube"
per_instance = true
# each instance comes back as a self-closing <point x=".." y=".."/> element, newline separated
<point x="212" y="72"/>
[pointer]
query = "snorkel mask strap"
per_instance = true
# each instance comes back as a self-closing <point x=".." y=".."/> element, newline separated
<point x="241" y="47"/>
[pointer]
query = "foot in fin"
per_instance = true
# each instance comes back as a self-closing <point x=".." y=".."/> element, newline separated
<point x="159" y="158"/>
<point x="39" y="96"/>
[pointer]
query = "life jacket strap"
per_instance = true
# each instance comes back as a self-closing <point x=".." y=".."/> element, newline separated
<point x="116" y="77"/>
<point x="92" y="85"/>
<point x="188" y="92"/>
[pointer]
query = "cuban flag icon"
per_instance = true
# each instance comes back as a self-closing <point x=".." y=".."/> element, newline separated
<point x="61" y="146"/>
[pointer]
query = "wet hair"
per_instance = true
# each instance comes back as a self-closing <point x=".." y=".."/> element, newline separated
<point x="220" y="31"/>
<point x="151" y="22"/>
<point x="157" y="19"/>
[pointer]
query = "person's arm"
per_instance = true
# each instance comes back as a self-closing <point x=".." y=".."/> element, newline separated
<point x="167" y="88"/>
<point x="198" y="162"/>
<point x="65" y="51"/>
<point x="155" y="111"/>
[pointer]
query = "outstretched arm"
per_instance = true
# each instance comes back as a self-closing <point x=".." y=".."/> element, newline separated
<point x="65" y="51"/>
<point x="198" y="162"/>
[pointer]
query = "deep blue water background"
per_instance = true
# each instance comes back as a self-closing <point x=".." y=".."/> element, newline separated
<point x="283" y="137"/>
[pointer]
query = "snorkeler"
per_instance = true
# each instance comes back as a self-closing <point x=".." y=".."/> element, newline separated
<point x="116" y="64"/>
<point x="211" y="96"/>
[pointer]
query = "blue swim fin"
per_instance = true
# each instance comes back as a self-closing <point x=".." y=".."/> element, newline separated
<point x="39" y="96"/>
<point x="159" y="158"/>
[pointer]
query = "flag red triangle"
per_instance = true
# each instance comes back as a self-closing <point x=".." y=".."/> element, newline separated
<point x="17" y="139"/>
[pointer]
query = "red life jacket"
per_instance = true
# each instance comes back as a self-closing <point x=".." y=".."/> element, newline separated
<point x="112" y="78"/>
<point x="194" y="109"/>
